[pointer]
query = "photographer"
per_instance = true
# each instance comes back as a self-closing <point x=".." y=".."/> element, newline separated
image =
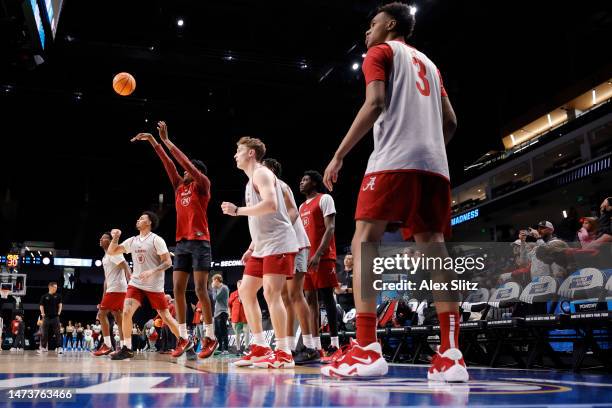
<point x="543" y="236"/>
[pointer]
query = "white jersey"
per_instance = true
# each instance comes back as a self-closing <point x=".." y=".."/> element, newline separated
<point x="146" y="253"/>
<point x="408" y="133"/>
<point x="298" y="225"/>
<point x="272" y="234"/>
<point x="114" y="276"/>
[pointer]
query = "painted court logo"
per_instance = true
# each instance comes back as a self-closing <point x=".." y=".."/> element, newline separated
<point x="421" y="386"/>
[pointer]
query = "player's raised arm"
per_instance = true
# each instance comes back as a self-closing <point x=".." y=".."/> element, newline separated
<point x="199" y="177"/>
<point x="114" y="248"/>
<point x="173" y="174"/>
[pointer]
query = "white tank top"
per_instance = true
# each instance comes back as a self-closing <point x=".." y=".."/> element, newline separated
<point x="272" y="234"/>
<point x="114" y="274"/>
<point x="408" y="133"/>
<point x="298" y="225"/>
<point x="146" y="253"/>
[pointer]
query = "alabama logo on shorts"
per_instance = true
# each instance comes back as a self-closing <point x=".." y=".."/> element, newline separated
<point x="370" y="185"/>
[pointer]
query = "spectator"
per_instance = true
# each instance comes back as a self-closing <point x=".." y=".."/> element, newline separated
<point x="604" y="230"/>
<point x="88" y="338"/>
<point x="79" y="337"/>
<point x="221" y="295"/>
<point x="136" y="338"/>
<point x="70" y="334"/>
<point x="18" y="331"/>
<point x="345" y="291"/>
<point x="97" y="328"/>
<point x="198" y="324"/>
<point x="544" y="236"/>
<point x="168" y="341"/>
<point x="588" y="232"/>
<point x="239" y="321"/>
<point x="516" y="271"/>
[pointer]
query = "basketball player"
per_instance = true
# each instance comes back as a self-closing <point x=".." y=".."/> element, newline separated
<point x="293" y="291"/>
<point x="318" y="214"/>
<point x="116" y="276"/>
<point x="192" y="195"/>
<point x="151" y="259"/>
<point x="270" y="258"/>
<point x="413" y="120"/>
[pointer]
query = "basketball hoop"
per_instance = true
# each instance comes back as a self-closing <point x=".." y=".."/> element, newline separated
<point x="4" y="293"/>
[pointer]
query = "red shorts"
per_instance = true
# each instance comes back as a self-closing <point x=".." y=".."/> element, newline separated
<point x="112" y="301"/>
<point x="418" y="201"/>
<point x="324" y="277"/>
<point x="156" y="299"/>
<point x="282" y="264"/>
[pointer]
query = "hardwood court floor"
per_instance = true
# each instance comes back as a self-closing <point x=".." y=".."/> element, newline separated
<point x="154" y="380"/>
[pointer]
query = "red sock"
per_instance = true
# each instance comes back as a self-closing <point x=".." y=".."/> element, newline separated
<point x="449" y="330"/>
<point x="366" y="328"/>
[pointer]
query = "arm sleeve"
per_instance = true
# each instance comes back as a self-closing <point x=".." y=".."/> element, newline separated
<point x="327" y="205"/>
<point x="202" y="181"/>
<point x="377" y="63"/>
<point x="173" y="175"/>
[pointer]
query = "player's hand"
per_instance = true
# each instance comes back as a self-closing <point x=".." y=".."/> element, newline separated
<point x="314" y="262"/>
<point x="228" y="208"/>
<point x="162" y="129"/>
<point x="331" y="173"/>
<point x="147" y="137"/>
<point x="115" y="233"/>
<point x="146" y="274"/>
<point x="246" y="256"/>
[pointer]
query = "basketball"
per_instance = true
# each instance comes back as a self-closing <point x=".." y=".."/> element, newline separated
<point x="124" y="84"/>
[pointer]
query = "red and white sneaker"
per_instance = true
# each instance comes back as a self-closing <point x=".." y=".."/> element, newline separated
<point x="277" y="359"/>
<point x="448" y="367"/>
<point x="338" y="353"/>
<point x="257" y="353"/>
<point x="358" y="362"/>
<point x="182" y="346"/>
<point x="208" y="347"/>
<point x="102" y="351"/>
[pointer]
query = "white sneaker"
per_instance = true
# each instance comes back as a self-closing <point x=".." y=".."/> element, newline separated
<point x="448" y="367"/>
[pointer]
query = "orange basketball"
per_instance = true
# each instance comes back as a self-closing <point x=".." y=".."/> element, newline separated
<point x="124" y="83"/>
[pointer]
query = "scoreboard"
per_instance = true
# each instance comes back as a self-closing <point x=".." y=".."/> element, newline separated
<point x="11" y="260"/>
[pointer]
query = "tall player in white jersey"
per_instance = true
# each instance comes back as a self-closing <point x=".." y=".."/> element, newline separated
<point x="413" y="120"/>
<point x="151" y="258"/>
<point x="270" y="257"/>
<point x="293" y="292"/>
<point x="116" y="276"/>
